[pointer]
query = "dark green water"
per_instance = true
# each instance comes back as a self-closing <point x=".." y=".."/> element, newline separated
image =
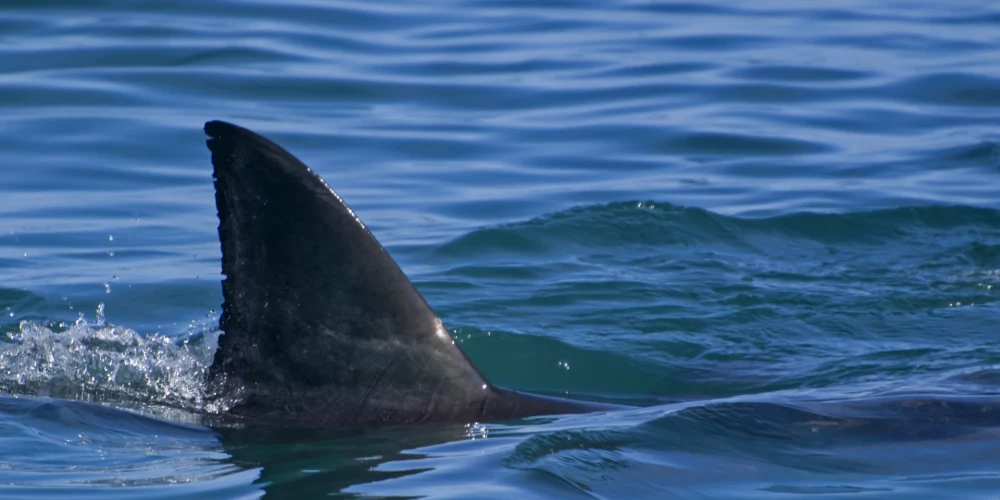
<point x="775" y="230"/>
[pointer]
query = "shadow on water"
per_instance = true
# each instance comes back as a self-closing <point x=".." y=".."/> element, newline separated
<point x="789" y="446"/>
<point x="300" y="463"/>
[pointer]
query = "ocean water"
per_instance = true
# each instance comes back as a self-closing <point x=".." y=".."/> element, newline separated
<point x="773" y="229"/>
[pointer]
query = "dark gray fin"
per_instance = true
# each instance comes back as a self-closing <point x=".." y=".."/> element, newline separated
<point x="321" y="327"/>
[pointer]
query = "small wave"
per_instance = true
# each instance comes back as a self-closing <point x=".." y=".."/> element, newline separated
<point x="663" y="224"/>
<point x="597" y="226"/>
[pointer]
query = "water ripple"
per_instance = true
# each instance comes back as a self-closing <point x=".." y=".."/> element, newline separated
<point x="824" y="222"/>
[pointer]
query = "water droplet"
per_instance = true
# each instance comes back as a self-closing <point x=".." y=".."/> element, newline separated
<point x="107" y="287"/>
<point x="111" y="238"/>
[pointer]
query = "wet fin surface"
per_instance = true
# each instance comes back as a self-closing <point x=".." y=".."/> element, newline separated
<point x="321" y="327"/>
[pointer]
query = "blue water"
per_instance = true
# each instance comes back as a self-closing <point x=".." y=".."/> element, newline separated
<point x="774" y="229"/>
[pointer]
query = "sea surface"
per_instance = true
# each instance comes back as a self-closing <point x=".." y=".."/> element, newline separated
<point x="771" y="227"/>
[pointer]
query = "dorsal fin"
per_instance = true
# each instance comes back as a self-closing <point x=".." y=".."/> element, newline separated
<point x="320" y="326"/>
<point x="319" y="322"/>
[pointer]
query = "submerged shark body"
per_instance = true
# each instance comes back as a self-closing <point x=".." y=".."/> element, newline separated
<point x="320" y="327"/>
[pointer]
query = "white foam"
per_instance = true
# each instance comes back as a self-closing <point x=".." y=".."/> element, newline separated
<point x="102" y="362"/>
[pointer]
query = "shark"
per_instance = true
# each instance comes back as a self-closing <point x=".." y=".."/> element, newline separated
<point x="320" y="326"/>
